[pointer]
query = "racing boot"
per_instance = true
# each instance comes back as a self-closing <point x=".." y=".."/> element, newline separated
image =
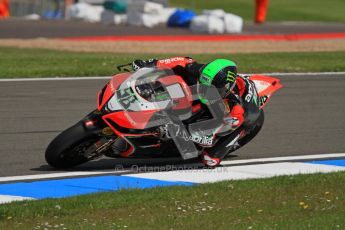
<point x="214" y="155"/>
<point x="209" y="161"/>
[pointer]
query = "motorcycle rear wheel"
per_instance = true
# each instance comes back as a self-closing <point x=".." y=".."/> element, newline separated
<point x="255" y="129"/>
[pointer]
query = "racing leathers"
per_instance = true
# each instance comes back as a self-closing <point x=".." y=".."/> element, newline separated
<point x="189" y="69"/>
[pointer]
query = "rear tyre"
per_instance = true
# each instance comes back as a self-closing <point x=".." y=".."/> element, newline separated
<point x="254" y="130"/>
<point x="68" y="148"/>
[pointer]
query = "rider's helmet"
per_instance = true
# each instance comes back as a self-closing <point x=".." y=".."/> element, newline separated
<point x="220" y="73"/>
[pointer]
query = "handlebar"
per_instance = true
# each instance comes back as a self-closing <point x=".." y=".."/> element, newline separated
<point x="124" y="68"/>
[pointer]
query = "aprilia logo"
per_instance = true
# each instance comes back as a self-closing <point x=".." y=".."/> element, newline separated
<point x="170" y="60"/>
<point x="197" y="139"/>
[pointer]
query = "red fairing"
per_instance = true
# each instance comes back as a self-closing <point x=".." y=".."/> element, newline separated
<point x="131" y="120"/>
<point x="266" y="86"/>
<point x="131" y="149"/>
<point x="118" y="133"/>
<point x="112" y="86"/>
<point x="173" y="62"/>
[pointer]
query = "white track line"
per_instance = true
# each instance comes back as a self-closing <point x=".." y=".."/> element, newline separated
<point x="55" y="175"/>
<point x="8" y="199"/>
<point x="241" y="172"/>
<point x="288" y="158"/>
<point x="226" y="162"/>
<point x="306" y="74"/>
<point x="108" y="77"/>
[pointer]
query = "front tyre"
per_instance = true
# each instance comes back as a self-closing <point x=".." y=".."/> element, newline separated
<point x="70" y="147"/>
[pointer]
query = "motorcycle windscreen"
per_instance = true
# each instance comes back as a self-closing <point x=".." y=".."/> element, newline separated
<point x="265" y="86"/>
<point x="146" y="92"/>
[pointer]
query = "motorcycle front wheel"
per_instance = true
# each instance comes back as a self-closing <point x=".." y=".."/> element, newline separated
<point x="71" y="147"/>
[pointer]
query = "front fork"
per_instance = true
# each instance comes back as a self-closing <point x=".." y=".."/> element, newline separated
<point x="94" y="123"/>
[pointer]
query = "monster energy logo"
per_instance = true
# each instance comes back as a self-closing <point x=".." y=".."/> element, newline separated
<point x="230" y="77"/>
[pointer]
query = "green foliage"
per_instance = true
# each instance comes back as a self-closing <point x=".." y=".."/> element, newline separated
<point x="16" y="62"/>
<point x="290" y="202"/>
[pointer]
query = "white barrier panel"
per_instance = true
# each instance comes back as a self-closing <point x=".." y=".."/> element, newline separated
<point x="142" y="19"/>
<point x="109" y="17"/>
<point x="220" y="13"/>
<point x="86" y="12"/>
<point x="233" y="23"/>
<point x="207" y="24"/>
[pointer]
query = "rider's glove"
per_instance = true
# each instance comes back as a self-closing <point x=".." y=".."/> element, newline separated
<point x="138" y="64"/>
<point x="233" y="122"/>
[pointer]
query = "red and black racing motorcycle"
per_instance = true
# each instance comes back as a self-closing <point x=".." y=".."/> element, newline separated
<point x="129" y="123"/>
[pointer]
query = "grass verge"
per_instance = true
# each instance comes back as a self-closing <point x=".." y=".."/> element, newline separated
<point x="16" y="62"/>
<point x="279" y="10"/>
<point x="290" y="202"/>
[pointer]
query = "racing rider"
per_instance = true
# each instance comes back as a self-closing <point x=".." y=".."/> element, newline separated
<point x="222" y="74"/>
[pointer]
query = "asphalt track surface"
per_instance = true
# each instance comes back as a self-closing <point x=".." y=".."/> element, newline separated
<point x="305" y="117"/>
<point x="16" y="28"/>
